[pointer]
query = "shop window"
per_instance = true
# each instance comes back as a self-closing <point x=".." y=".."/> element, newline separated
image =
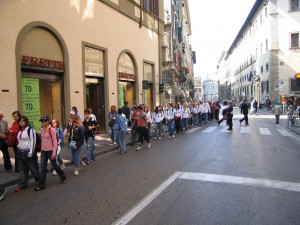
<point x="267" y="86"/>
<point x="267" y="67"/>
<point x="261" y="69"/>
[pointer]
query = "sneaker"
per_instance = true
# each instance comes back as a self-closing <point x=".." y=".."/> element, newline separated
<point x="2" y="193"/>
<point x="154" y="138"/>
<point x="111" y="143"/>
<point x="115" y="143"/>
<point x="173" y="136"/>
<point x="139" y="147"/>
<point x="159" y="138"/>
<point x="149" y="145"/>
<point x="18" y="189"/>
<point x="54" y="173"/>
<point x="39" y="188"/>
<point x="87" y="162"/>
<point x="76" y="172"/>
<point x="170" y="137"/>
<point x="62" y="181"/>
<point x="93" y="160"/>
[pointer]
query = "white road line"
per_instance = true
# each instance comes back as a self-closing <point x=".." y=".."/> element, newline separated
<point x="146" y="200"/>
<point x="264" y="131"/>
<point x="193" y="130"/>
<point x="283" y="132"/>
<point x="209" y="129"/>
<point x="245" y="130"/>
<point x="283" y="185"/>
<point x="225" y="129"/>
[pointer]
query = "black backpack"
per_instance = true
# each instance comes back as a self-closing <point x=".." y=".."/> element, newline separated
<point x="37" y="141"/>
<point x="224" y="112"/>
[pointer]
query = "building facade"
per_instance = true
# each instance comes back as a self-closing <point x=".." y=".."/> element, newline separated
<point x="264" y="57"/>
<point x="178" y="73"/>
<point x="88" y="54"/>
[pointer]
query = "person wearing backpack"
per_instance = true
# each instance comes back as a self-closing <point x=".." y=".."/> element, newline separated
<point x="49" y="145"/>
<point x="56" y="125"/>
<point x="27" y="155"/>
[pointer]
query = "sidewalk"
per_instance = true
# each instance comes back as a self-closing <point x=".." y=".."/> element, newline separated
<point x="102" y="146"/>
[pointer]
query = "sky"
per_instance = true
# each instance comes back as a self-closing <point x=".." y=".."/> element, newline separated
<point x="215" y="24"/>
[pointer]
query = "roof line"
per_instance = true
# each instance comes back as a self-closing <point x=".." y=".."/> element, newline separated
<point x="247" y="21"/>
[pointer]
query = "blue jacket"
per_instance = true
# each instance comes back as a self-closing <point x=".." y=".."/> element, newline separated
<point x="121" y="123"/>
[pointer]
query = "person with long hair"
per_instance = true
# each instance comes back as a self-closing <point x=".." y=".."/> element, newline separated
<point x="74" y="108"/>
<point x="27" y="155"/>
<point x="76" y="140"/>
<point x="60" y="134"/>
<point x="15" y="129"/>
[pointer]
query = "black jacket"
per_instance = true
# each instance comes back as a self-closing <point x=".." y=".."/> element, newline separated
<point x="77" y="134"/>
<point x="244" y="108"/>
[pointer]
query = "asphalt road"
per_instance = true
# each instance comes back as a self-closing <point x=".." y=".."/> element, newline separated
<point x="206" y="176"/>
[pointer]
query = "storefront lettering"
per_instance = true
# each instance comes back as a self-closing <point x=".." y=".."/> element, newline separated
<point x="126" y="76"/>
<point x="41" y="62"/>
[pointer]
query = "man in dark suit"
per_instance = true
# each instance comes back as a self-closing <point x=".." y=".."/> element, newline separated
<point x="3" y="145"/>
<point x="244" y="110"/>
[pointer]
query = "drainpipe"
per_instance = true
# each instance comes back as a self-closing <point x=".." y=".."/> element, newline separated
<point x="141" y="14"/>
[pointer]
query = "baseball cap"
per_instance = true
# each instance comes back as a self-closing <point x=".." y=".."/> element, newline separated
<point x="72" y="112"/>
<point x="44" y="118"/>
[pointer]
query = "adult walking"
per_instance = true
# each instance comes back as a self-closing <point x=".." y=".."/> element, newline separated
<point x="14" y="130"/>
<point x="76" y="140"/>
<point x="27" y="155"/>
<point x="277" y="111"/>
<point x="244" y="110"/>
<point x="121" y="128"/>
<point x="3" y="145"/>
<point x="112" y="115"/>
<point x="229" y="113"/>
<point x="142" y="128"/>
<point x="222" y="112"/>
<point x="90" y="126"/>
<point x="49" y="144"/>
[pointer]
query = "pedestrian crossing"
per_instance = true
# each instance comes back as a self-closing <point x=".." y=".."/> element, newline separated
<point x="243" y="130"/>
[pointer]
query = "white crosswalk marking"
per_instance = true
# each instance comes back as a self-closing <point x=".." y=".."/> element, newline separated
<point x="245" y="130"/>
<point x="225" y="130"/>
<point x="284" y="132"/>
<point x="264" y="131"/>
<point x="209" y="129"/>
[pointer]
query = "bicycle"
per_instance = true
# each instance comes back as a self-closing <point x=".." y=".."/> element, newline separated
<point x="293" y="120"/>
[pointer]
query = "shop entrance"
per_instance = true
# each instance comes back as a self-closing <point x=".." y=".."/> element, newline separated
<point x="42" y="95"/>
<point x="95" y="101"/>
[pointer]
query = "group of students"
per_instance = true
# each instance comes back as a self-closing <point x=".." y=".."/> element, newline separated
<point x="49" y="141"/>
<point x="177" y="117"/>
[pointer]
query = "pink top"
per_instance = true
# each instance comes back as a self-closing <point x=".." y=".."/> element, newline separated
<point x="49" y="142"/>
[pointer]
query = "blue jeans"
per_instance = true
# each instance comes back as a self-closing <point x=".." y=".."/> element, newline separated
<point x="205" y="117"/>
<point x="26" y="164"/>
<point x="158" y="129"/>
<point x="111" y="133"/>
<point x="121" y="141"/>
<point x="76" y="155"/>
<point x="185" y="123"/>
<point x="171" y="125"/>
<point x="90" y="154"/>
<point x="134" y="134"/>
<point x="45" y="156"/>
<point x="196" y="119"/>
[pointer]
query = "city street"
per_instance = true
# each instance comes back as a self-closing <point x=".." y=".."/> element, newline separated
<point x="206" y="176"/>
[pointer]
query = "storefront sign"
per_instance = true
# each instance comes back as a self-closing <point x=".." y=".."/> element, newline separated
<point x="31" y="101"/>
<point x="41" y="62"/>
<point x="127" y="76"/>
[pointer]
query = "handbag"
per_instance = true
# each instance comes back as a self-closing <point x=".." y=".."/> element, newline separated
<point x="12" y="139"/>
<point x="111" y="122"/>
